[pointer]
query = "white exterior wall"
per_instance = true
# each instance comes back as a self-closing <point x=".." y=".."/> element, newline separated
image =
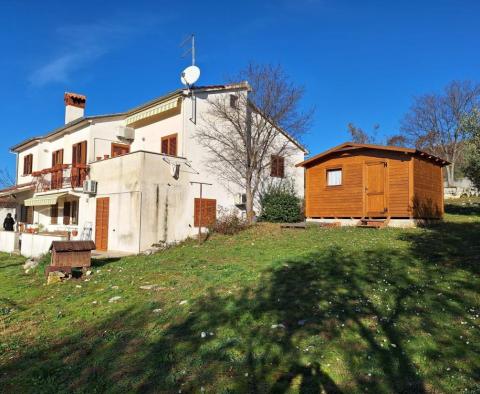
<point x="36" y="245"/>
<point x="144" y="199"/>
<point x="8" y="241"/>
<point x="199" y="156"/>
<point x="147" y="205"/>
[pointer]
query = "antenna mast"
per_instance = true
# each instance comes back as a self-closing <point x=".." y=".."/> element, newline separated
<point x="191" y="50"/>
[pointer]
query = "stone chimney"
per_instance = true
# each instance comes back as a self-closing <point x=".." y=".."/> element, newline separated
<point x="74" y="106"/>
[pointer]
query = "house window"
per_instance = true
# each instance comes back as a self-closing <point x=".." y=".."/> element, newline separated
<point x="66" y="213"/>
<point x="119" y="149"/>
<point x="277" y="166"/>
<point x="74" y="205"/>
<point x="26" y="214"/>
<point x="70" y="212"/>
<point x="54" y="214"/>
<point x="79" y="153"/>
<point x="57" y="158"/>
<point x="27" y="164"/>
<point x="233" y="101"/>
<point x="169" y="145"/>
<point x="334" y="177"/>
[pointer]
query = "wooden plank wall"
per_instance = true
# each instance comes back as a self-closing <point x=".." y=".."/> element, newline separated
<point x="428" y="189"/>
<point x="348" y="200"/>
<point x="399" y="196"/>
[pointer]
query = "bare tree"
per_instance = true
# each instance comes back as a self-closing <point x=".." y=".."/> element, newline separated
<point x="434" y="123"/>
<point x="359" y="136"/>
<point x="362" y="137"/>
<point x="6" y="178"/>
<point x="243" y="130"/>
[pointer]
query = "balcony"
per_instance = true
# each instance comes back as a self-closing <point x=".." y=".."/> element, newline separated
<point x="62" y="176"/>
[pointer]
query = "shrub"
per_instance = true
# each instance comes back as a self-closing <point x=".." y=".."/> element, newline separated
<point x="229" y="223"/>
<point x="280" y="203"/>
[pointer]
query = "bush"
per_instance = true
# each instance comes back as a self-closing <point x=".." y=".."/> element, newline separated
<point x="229" y="223"/>
<point x="280" y="204"/>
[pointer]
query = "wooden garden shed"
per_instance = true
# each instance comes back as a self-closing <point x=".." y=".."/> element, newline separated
<point x="373" y="181"/>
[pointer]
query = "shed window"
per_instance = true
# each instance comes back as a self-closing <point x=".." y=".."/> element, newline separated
<point x="27" y="164"/>
<point x="334" y="177"/>
<point x="169" y="145"/>
<point x="277" y="166"/>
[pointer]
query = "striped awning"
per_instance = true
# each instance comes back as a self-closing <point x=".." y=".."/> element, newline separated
<point x="157" y="109"/>
<point x="49" y="199"/>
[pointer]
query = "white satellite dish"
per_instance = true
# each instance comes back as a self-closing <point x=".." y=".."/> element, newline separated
<point x="190" y="75"/>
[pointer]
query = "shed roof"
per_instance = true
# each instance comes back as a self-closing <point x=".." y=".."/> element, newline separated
<point x="349" y="146"/>
<point x="72" y="246"/>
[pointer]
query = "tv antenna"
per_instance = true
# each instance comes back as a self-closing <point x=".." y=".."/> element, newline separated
<point x="191" y="74"/>
<point x="191" y="50"/>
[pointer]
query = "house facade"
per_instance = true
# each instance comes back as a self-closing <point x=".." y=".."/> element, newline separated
<point x="129" y="180"/>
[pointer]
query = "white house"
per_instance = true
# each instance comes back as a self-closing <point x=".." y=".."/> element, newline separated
<point x="126" y="180"/>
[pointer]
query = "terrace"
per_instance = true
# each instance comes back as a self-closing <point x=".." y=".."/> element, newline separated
<point x="62" y="176"/>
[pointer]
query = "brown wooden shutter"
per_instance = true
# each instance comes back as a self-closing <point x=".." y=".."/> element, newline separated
<point x="27" y="164"/>
<point x="74" y="154"/>
<point x="83" y="152"/>
<point x="165" y="146"/>
<point x="277" y="166"/>
<point x="281" y="167"/>
<point x="74" y="205"/>
<point x="54" y="214"/>
<point x="66" y="213"/>
<point x="29" y="215"/>
<point x="209" y="212"/>
<point x="173" y="146"/>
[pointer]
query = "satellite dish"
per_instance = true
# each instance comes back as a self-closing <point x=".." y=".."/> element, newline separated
<point x="190" y="75"/>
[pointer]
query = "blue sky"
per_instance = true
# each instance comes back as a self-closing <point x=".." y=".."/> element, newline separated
<point x="360" y="61"/>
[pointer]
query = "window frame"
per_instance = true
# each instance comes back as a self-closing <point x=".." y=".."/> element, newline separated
<point x="331" y="169"/>
<point x="28" y="164"/>
<point x="116" y="145"/>
<point x="168" y="139"/>
<point x="234" y="101"/>
<point x="277" y="166"/>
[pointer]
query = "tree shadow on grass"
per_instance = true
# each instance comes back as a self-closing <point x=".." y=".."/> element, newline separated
<point x="327" y="322"/>
<point x="451" y="245"/>
<point x="463" y="208"/>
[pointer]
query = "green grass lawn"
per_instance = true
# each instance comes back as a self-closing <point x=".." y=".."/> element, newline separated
<point x="268" y="310"/>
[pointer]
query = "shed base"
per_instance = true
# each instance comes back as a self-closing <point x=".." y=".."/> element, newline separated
<point x="393" y="222"/>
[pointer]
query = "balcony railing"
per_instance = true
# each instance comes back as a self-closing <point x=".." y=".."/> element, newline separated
<point x="62" y="176"/>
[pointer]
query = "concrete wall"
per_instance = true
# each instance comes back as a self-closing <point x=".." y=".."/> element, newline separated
<point x="144" y="199"/>
<point x="36" y="245"/>
<point x="9" y="241"/>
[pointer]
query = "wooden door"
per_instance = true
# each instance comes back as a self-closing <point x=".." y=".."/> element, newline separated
<point x="101" y="223"/>
<point x="375" y="196"/>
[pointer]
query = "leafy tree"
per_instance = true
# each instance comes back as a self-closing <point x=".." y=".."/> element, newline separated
<point x="471" y="167"/>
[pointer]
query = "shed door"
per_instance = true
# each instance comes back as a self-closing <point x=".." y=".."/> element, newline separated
<point x="101" y="224"/>
<point x="375" y="189"/>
